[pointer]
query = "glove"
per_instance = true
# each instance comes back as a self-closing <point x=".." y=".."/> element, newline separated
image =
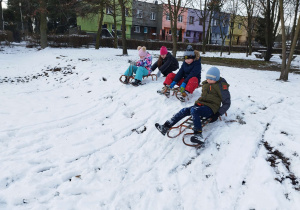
<point x="182" y="87"/>
<point x="172" y="84"/>
<point x="214" y="117"/>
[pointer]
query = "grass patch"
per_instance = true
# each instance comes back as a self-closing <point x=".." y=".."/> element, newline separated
<point x="243" y="63"/>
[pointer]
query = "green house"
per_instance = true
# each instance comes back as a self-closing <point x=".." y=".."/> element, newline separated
<point x="90" y="24"/>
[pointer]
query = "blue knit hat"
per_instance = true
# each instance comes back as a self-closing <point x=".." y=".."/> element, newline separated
<point x="189" y="53"/>
<point x="213" y="73"/>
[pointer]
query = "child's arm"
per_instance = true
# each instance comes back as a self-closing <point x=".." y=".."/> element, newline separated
<point x="225" y="94"/>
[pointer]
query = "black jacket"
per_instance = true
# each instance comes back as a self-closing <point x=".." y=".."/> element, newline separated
<point x="169" y="64"/>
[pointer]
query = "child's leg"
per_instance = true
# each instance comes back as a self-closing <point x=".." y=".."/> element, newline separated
<point x="197" y="112"/>
<point x="169" y="79"/>
<point x="180" y="82"/>
<point x="180" y="115"/>
<point x="192" y="84"/>
<point x="140" y="72"/>
<point x="131" y="69"/>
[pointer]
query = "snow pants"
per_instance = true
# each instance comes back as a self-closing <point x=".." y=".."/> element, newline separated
<point x="192" y="84"/>
<point x="138" y="70"/>
<point x="196" y="112"/>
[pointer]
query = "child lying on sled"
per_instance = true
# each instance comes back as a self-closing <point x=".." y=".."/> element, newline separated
<point x="214" y="93"/>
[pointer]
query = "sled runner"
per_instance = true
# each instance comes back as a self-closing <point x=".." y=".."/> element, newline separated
<point x="188" y="124"/>
<point x="166" y="90"/>
<point x="132" y="77"/>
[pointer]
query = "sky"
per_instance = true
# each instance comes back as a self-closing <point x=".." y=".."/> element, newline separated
<point x="73" y="137"/>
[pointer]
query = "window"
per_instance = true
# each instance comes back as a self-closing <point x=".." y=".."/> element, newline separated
<point x="139" y="14"/>
<point x="232" y="24"/>
<point x="121" y="28"/>
<point x="137" y="29"/>
<point x="170" y="31"/>
<point x="113" y="26"/>
<point x="167" y="16"/>
<point x="126" y="12"/>
<point x="152" y="16"/>
<point x="201" y="21"/>
<point x="145" y="30"/>
<point x="180" y="18"/>
<point x="240" y="26"/>
<point x="191" y="20"/>
<point x="188" y="33"/>
<point x="214" y="22"/>
<point x="109" y="10"/>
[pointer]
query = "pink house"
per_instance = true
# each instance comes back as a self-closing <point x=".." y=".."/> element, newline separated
<point x="165" y="32"/>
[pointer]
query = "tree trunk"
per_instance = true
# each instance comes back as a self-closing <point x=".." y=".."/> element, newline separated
<point x="124" y="41"/>
<point x="295" y="19"/>
<point x="269" y="32"/>
<point x="230" y="38"/>
<point x="43" y="24"/>
<point x="203" y="34"/>
<point x="207" y="33"/>
<point x="115" y="35"/>
<point x="285" y="68"/>
<point x="1" y="17"/>
<point x="98" y="37"/>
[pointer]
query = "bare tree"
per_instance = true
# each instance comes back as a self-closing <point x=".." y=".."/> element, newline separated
<point x="1" y="17"/>
<point x="206" y="16"/>
<point x="222" y="22"/>
<point x="91" y="8"/>
<point x="174" y="8"/>
<point x="296" y="5"/>
<point x="251" y="21"/>
<point x="285" y="67"/>
<point x="270" y="11"/>
<point x="233" y="15"/>
<point x="43" y="24"/>
<point x="124" y="4"/>
<point x="114" y="12"/>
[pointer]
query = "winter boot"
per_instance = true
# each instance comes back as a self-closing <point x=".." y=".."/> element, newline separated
<point x="165" y="91"/>
<point x="136" y="82"/>
<point x="183" y="96"/>
<point x="197" y="138"/>
<point x="126" y="80"/>
<point x="163" y="128"/>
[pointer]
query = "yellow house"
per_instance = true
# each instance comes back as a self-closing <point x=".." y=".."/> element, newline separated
<point x="239" y="34"/>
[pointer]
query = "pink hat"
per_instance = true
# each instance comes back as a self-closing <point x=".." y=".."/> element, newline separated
<point x="142" y="52"/>
<point x="163" y="50"/>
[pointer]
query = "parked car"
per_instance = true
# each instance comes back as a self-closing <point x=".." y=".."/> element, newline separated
<point x="105" y="33"/>
<point x="119" y="33"/>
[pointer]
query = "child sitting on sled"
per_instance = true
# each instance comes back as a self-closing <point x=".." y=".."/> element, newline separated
<point x="166" y="62"/>
<point x="214" y="93"/>
<point x="141" y="68"/>
<point x="188" y="76"/>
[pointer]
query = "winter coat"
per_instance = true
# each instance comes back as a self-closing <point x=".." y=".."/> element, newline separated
<point x="215" y="94"/>
<point x="169" y="64"/>
<point x="146" y="62"/>
<point x="187" y="71"/>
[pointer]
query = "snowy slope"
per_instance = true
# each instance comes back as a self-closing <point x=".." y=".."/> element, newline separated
<point x="73" y="137"/>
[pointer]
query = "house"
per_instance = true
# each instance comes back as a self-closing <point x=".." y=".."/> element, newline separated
<point x="194" y="26"/>
<point x="146" y="20"/>
<point x="90" y="24"/>
<point x="165" y="30"/>
<point x="220" y="28"/>
<point x="238" y="31"/>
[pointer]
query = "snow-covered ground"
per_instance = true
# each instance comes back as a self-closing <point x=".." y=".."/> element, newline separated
<point x="73" y="137"/>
